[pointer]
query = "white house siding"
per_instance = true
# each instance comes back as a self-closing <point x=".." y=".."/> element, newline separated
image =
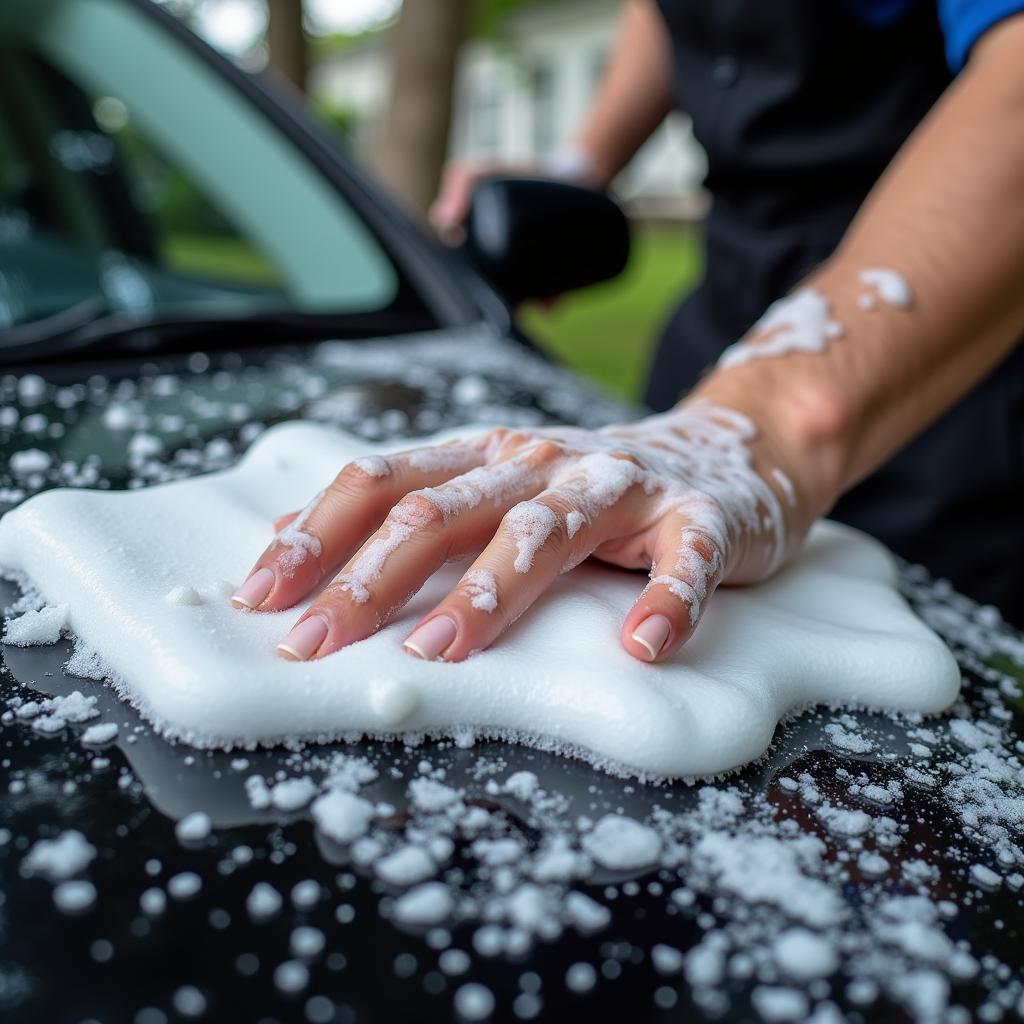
<point x="523" y="94"/>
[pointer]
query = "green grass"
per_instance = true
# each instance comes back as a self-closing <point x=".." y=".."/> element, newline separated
<point x="608" y="332"/>
<point x="220" y="257"/>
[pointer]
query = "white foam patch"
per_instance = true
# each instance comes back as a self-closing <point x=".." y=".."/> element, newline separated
<point x="482" y="588"/>
<point x="891" y="286"/>
<point x="37" y="626"/>
<point x="829" y="629"/>
<point x="800" y="322"/>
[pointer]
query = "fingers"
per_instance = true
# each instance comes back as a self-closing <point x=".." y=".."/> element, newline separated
<point x="537" y="540"/>
<point x="689" y="564"/>
<point x="450" y="209"/>
<point x="423" y="531"/>
<point x="309" y="546"/>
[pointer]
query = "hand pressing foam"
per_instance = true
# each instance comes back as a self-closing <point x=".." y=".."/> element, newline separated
<point x="829" y="629"/>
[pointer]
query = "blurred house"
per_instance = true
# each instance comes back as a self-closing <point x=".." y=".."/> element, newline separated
<point x="521" y="95"/>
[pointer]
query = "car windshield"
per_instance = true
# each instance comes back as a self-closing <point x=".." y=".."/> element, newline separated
<point x="136" y="180"/>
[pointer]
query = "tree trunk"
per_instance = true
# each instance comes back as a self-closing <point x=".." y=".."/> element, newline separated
<point x="413" y="144"/>
<point x="287" y="42"/>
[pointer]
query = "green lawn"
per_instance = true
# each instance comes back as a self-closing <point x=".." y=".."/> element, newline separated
<point x="608" y="331"/>
<point x="220" y="257"/>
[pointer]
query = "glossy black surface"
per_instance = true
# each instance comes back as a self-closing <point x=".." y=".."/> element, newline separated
<point x="113" y="961"/>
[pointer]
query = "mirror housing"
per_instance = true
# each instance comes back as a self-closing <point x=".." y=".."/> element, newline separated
<point x="535" y="238"/>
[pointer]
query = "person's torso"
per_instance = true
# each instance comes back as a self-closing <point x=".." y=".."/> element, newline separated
<point x="800" y="105"/>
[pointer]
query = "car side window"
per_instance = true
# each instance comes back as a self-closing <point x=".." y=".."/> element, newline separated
<point x="134" y="178"/>
<point x="192" y="236"/>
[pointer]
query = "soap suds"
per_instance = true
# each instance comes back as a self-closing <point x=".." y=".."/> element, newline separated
<point x="841" y="593"/>
<point x="74" y="897"/>
<point x="402" y="523"/>
<point x="785" y="485"/>
<point x="57" y="859"/>
<point x="393" y="700"/>
<point x="51" y="716"/>
<point x="482" y="589"/>
<point x="889" y="285"/>
<point x="801" y="322"/>
<point x="193" y="828"/>
<point x="29" y="461"/>
<point x="183" y="596"/>
<point x="530" y="523"/>
<point x="621" y="843"/>
<point x="100" y="733"/>
<point x="36" y="626"/>
<point x="297" y="543"/>
<point x="375" y="466"/>
<point x="341" y="816"/>
<point x="263" y="901"/>
<point x="914" y="948"/>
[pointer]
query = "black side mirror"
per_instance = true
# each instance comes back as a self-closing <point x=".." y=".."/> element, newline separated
<point x="534" y="238"/>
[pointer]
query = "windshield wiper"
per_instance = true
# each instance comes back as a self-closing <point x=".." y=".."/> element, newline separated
<point x="92" y="327"/>
<point x="39" y="332"/>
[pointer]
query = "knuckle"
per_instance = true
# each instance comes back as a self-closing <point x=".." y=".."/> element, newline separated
<point x="545" y="453"/>
<point x="418" y="510"/>
<point x="344" y="591"/>
<point x="479" y="588"/>
<point x="516" y="439"/>
<point x="627" y="456"/>
<point x="359" y="477"/>
<point x="707" y="548"/>
<point x="531" y="526"/>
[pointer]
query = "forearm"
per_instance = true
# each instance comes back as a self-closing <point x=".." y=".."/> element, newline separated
<point x="635" y="93"/>
<point x="948" y="215"/>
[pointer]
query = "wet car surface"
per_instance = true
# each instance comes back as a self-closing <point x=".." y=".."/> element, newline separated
<point x="894" y="845"/>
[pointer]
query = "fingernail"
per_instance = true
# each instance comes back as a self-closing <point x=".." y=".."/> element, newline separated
<point x="653" y="633"/>
<point x="432" y="638"/>
<point x="305" y="639"/>
<point x="253" y="592"/>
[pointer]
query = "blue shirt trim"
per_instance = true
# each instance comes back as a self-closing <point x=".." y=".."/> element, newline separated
<point x="965" y="21"/>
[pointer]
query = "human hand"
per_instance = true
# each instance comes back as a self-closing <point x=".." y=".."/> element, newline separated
<point x="451" y="207"/>
<point x="697" y="496"/>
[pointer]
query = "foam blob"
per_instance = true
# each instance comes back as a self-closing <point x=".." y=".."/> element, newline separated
<point x="890" y="285"/>
<point x="394" y="700"/>
<point x="37" y="626"/>
<point x="829" y="629"/>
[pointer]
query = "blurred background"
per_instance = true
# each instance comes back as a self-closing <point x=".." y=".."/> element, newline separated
<point x="411" y="86"/>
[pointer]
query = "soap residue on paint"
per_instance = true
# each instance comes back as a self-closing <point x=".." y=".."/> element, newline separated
<point x="42" y="625"/>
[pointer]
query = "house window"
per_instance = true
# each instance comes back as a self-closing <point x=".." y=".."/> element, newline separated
<point x="485" y="109"/>
<point x="542" y="88"/>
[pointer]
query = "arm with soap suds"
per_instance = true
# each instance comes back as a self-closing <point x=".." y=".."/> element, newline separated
<point x="922" y="299"/>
